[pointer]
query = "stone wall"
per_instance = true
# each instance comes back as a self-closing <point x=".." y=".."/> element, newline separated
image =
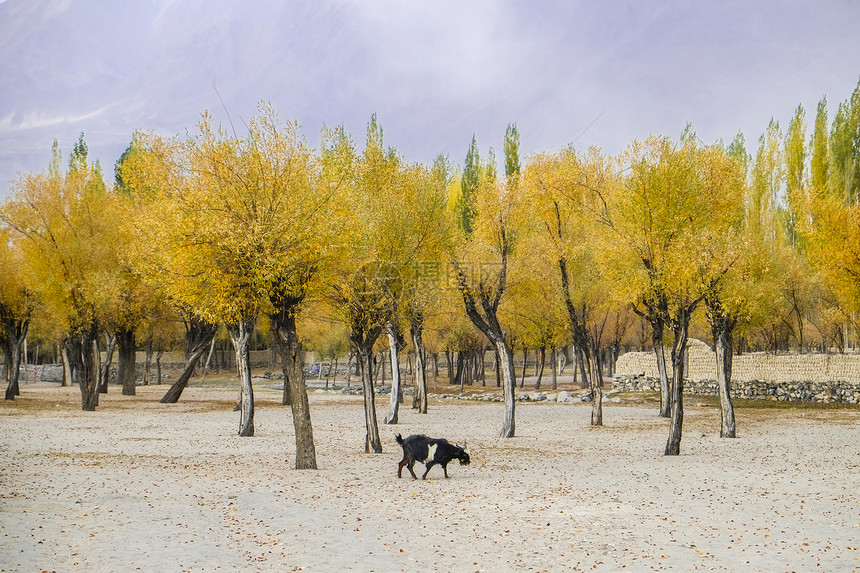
<point x="170" y="363"/>
<point x="823" y="392"/>
<point x="760" y="376"/>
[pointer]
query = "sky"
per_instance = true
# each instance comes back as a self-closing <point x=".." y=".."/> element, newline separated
<point x="586" y="73"/>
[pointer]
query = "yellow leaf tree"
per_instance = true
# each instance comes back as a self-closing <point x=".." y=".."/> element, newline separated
<point x="567" y="190"/>
<point x="671" y="223"/>
<point x="239" y="229"/>
<point x="69" y="243"/>
<point x="489" y="216"/>
<point x="17" y="304"/>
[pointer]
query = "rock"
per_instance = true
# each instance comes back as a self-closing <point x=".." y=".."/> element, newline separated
<point x="563" y="396"/>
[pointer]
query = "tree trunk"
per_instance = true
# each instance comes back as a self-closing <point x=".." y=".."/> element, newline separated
<point x="284" y="324"/>
<point x="158" y="365"/>
<point x="240" y="335"/>
<point x="147" y="364"/>
<point x="127" y="358"/>
<point x="208" y="360"/>
<point x="722" y="330"/>
<point x="13" y="367"/>
<point x="104" y="370"/>
<point x="449" y="359"/>
<point x="657" y="342"/>
<point x="67" y="364"/>
<point x="679" y="352"/>
<point x="541" y="362"/>
<point x="199" y="336"/>
<point x="416" y="329"/>
<point x="554" y="369"/>
<point x="509" y="379"/>
<point x="84" y="351"/>
<point x="7" y="362"/>
<point x="372" y="441"/>
<point x="488" y="323"/>
<point x="16" y="334"/>
<point x="583" y="367"/>
<point x="394" y="346"/>
<point x="562" y="360"/>
<point x="525" y="361"/>
<point x="596" y="379"/>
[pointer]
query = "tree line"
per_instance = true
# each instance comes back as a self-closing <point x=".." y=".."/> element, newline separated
<point x="760" y="249"/>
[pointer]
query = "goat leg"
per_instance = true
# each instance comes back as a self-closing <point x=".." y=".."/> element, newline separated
<point x="409" y="467"/>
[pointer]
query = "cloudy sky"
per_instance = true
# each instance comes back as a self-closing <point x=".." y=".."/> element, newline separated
<point x="588" y="72"/>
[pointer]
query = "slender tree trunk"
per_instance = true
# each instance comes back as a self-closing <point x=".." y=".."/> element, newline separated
<point x="583" y="367"/>
<point x="657" y="342"/>
<point x="208" y="360"/>
<point x="158" y="356"/>
<point x="198" y="338"/>
<point x="416" y="330"/>
<point x="372" y="441"/>
<point x="7" y="362"/>
<point x="394" y="402"/>
<point x="147" y="364"/>
<point x="240" y="335"/>
<point x="525" y="361"/>
<point x="596" y="379"/>
<point x="289" y="344"/>
<point x="488" y="323"/>
<point x="349" y="367"/>
<point x="16" y="334"/>
<point x="449" y="359"/>
<point x="127" y="359"/>
<point x="541" y="363"/>
<point x="562" y="360"/>
<point x="509" y="379"/>
<point x="679" y="351"/>
<point x="67" y="364"/>
<point x="13" y="367"/>
<point x="104" y="376"/>
<point x="458" y="371"/>
<point x="554" y="359"/>
<point x="723" y="350"/>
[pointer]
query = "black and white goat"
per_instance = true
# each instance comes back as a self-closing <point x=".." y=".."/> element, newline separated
<point x="430" y="452"/>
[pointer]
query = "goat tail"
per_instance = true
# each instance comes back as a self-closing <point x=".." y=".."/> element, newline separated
<point x="399" y="439"/>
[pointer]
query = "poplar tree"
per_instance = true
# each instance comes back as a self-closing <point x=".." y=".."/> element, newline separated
<point x="68" y="237"/>
<point x="487" y="214"/>
<point x="819" y="162"/>
<point x="17" y="306"/>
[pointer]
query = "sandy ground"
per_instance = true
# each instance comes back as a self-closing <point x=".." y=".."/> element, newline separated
<point x="144" y="486"/>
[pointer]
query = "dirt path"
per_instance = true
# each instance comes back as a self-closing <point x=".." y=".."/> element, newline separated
<point x="140" y="485"/>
